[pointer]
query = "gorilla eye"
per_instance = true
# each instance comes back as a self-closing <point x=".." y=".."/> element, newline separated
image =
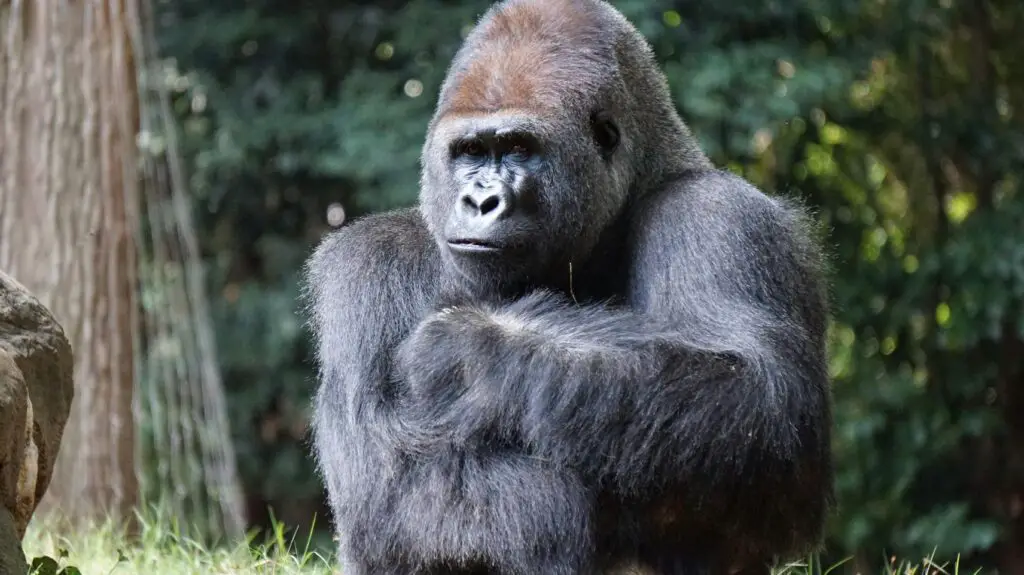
<point x="473" y="148"/>
<point x="519" y="150"/>
<point x="606" y="133"/>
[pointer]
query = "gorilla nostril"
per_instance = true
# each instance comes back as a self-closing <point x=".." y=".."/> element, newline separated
<point x="495" y="202"/>
<point x="489" y="204"/>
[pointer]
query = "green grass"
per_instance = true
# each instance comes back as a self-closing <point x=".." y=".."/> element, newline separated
<point x="160" y="550"/>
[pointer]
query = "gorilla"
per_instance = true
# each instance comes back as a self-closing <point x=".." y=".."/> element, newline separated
<point x="587" y="350"/>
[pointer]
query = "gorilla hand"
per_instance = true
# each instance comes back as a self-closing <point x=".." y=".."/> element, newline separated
<point x="471" y="367"/>
<point x="445" y="363"/>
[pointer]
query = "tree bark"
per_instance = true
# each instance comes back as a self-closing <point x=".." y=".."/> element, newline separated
<point x="68" y="188"/>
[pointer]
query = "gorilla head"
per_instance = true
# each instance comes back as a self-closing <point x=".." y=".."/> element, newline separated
<point x="538" y="144"/>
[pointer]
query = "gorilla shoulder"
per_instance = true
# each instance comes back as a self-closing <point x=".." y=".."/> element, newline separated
<point x="764" y="246"/>
<point x="386" y="256"/>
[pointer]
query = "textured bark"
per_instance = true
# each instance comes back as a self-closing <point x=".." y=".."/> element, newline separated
<point x="68" y="115"/>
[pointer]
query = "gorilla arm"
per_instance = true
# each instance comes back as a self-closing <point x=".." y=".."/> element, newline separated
<point x="397" y="511"/>
<point x="711" y="383"/>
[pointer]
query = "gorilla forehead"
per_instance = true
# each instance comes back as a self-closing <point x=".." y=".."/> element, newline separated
<point x="535" y="55"/>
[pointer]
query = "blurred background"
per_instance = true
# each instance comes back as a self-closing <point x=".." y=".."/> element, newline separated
<point x="263" y="124"/>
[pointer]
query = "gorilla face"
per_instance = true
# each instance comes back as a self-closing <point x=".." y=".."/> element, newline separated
<point x="511" y="198"/>
<point x="498" y="171"/>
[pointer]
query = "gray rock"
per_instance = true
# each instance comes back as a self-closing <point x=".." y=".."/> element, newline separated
<point x="36" y="390"/>
<point x="12" y="558"/>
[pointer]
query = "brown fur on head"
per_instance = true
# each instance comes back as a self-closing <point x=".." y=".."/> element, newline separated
<point x="540" y="57"/>
<point x="548" y="66"/>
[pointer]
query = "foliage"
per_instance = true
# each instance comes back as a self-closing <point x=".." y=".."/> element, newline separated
<point x="898" y="121"/>
<point x="46" y="565"/>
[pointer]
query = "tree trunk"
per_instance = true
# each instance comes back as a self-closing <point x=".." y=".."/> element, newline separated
<point x="68" y="193"/>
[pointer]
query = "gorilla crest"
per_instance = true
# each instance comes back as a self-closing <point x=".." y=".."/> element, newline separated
<point x="587" y="350"/>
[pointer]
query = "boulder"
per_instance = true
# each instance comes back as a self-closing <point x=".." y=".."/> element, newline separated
<point x="12" y="559"/>
<point x="36" y="389"/>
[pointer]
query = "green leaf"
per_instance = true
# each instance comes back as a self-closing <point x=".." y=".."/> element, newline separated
<point x="44" y="565"/>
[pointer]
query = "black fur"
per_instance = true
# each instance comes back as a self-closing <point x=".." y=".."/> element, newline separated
<point x="663" y="404"/>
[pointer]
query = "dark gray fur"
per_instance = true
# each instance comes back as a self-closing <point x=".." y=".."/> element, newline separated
<point x="665" y="405"/>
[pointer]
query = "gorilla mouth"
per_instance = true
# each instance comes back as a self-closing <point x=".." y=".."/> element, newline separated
<point x="473" y="246"/>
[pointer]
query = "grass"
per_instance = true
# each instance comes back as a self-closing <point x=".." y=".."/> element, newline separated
<point x="160" y="550"/>
<point x="928" y="566"/>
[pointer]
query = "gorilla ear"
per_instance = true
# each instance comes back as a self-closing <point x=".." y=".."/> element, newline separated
<point x="606" y="132"/>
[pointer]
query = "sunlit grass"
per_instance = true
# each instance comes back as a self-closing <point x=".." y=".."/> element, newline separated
<point x="159" y="550"/>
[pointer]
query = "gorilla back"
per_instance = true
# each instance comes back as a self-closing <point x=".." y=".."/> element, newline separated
<point x="587" y="349"/>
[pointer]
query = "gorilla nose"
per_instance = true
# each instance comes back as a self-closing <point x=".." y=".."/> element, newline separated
<point x="490" y="203"/>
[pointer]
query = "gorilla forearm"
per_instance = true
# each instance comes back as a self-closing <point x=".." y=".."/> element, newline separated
<point x="564" y="377"/>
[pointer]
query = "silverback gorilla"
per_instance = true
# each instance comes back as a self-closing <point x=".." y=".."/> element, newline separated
<point x="588" y="351"/>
